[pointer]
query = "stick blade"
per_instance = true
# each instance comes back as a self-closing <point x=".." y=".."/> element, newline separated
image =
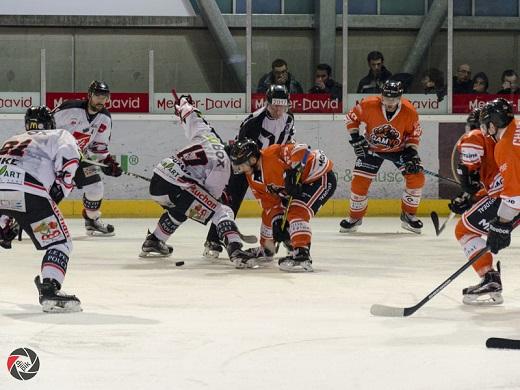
<point x="435" y="219"/>
<point x="501" y="343"/>
<point x="386" y="311"/>
<point x="248" y="238"/>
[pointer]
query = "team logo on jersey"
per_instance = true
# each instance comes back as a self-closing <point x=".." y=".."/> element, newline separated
<point x="47" y="231"/>
<point x="385" y="135"/>
<point x="23" y="364"/>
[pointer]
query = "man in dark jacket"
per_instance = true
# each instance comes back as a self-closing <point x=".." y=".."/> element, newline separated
<point x="325" y="84"/>
<point x="279" y="75"/>
<point x="376" y="76"/>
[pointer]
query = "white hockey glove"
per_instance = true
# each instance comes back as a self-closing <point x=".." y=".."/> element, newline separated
<point x="184" y="108"/>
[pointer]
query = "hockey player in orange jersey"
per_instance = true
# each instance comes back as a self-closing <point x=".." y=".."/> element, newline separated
<point x="393" y="133"/>
<point x="286" y="177"/>
<point x="497" y="157"/>
<point x="476" y="167"/>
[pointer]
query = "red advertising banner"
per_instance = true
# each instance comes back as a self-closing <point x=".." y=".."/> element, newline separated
<point x="119" y="101"/>
<point x="303" y="103"/>
<point x="464" y="103"/>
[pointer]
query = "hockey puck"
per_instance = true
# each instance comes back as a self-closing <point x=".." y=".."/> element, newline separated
<point x="179" y="263"/>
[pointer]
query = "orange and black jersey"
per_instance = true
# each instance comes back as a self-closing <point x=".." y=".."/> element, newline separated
<point x="267" y="181"/>
<point x="386" y="135"/>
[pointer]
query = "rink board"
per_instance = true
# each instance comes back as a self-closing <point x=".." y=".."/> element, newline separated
<point x="141" y="141"/>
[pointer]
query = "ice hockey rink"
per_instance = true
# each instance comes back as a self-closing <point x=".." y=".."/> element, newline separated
<point x="150" y="324"/>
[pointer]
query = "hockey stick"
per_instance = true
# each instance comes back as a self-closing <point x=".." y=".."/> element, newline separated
<point x="390" y="311"/>
<point x="100" y="164"/>
<point x="298" y="175"/>
<point x="435" y="220"/>
<point x="502" y="343"/>
<point x="426" y="171"/>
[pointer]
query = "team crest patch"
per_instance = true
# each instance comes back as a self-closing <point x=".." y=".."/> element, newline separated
<point x="47" y="231"/>
<point x="386" y="136"/>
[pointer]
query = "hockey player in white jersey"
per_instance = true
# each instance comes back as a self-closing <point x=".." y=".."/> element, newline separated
<point x="36" y="173"/>
<point x="90" y="123"/>
<point x="189" y="184"/>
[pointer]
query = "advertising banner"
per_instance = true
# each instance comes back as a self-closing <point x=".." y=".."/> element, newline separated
<point x="208" y="103"/>
<point x="119" y="101"/>
<point x="464" y="103"/>
<point x="303" y="103"/>
<point x="425" y="104"/>
<point x="18" y="102"/>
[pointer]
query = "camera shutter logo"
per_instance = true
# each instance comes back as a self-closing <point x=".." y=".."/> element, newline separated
<point x="23" y="363"/>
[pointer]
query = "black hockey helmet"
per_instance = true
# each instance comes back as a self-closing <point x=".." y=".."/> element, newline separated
<point x="98" y="88"/>
<point x="39" y="118"/>
<point x="499" y="112"/>
<point x="277" y="94"/>
<point x="242" y="150"/>
<point x="392" y="88"/>
<point x="473" y="120"/>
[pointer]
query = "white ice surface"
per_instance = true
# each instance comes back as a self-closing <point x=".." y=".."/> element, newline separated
<point x="148" y="324"/>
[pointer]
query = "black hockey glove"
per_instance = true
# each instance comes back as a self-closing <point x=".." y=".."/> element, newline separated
<point x="293" y="185"/>
<point x="112" y="167"/>
<point x="499" y="235"/>
<point x="9" y="232"/>
<point x="56" y="193"/>
<point x="411" y="161"/>
<point x="279" y="234"/>
<point x="461" y="203"/>
<point x="359" y="143"/>
<point x="469" y="181"/>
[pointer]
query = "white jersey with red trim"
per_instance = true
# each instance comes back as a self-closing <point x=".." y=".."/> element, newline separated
<point x="92" y="132"/>
<point x="31" y="162"/>
<point x="204" y="160"/>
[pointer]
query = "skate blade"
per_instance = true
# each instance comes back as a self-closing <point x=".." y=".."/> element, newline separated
<point x="148" y="255"/>
<point x="405" y="226"/>
<point x="61" y="307"/>
<point x="144" y="254"/>
<point x="351" y="230"/>
<point x="247" y="265"/>
<point x="95" y="233"/>
<point x="489" y="299"/>
<point x="210" y="254"/>
<point x="296" y="269"/>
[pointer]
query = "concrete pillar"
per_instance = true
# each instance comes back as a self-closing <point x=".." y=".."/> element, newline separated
<point x="224" y="40"/>
<point x="432" y="23"/>
<point x="325" y="22"/>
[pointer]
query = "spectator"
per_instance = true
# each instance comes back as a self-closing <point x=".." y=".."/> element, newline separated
<point x="462" y="81"/>
<point x="376" y="76"/>
<point x="432" y="80"/>
<point x="509" y="82"/>
<point x="480" y="83"/>
<point x="323" y="83"/>
<point x="279" y="74"/>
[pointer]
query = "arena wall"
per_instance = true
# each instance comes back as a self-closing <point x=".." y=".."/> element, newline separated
<point x="141" y="141"/>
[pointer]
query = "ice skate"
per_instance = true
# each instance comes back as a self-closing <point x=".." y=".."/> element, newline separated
<point x="299" y="261"/>
<point x="212" y="250"/>
<point x="411" y="223"/>
<point x="53" y="300"/>
<point x="487" y="292"/>
<point x="241" y="258"/>
<point x="350" y="225"/>
<point x="262" y="255"/>
<point x="153" y="247"/>
<point x="95" y="227"/>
